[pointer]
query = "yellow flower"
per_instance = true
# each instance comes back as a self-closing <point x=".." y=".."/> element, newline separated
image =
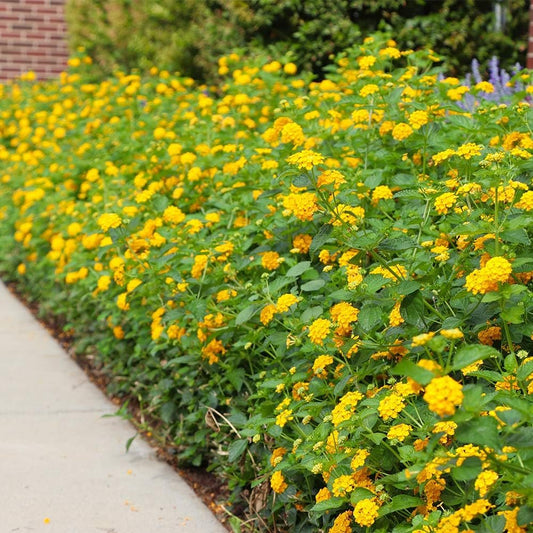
<point x="358" y="460"/>
<point x="381" y="192"/>
<point x="342" y="523"/>
<point x="319" y="330"/>
<point x="401" y="131"/>
<point x="368" y="90"/>
<point x="342" y="485"/>
<point x="320" y="364"/>
<point x="417" y="119"/>
<point x="267" y="314"/>
<point x="109" y="220"/>
<point x="301" y="243"/>
<point x="395" y="318"/>
<point x="496" y="270"/>
<point x="306" y="159"/>
<point x="277" y="482"/>
<point x="285" y="301"/>
<point x="270" y="260"/>
<point x="302" y="205"/>
<point x="526" y="201"/>
<point x="484" y="481"/>
<point x="198" y="268"/>
<point x="444" y="202"/>
<point x="400" y="432"/>
<point x="345" y="408"/>
<point x="390" y="406"/>
<point x="443" y="394"/>
<point x="284" y="417"/>
<point x="453" y="334"/>
<point x="365" y="512"/>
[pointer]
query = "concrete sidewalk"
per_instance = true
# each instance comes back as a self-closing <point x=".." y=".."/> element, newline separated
<point x="63" y="467"/>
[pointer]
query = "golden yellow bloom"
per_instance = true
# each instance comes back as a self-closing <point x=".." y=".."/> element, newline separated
<point x="277" y="482"/>
<point x="453" y="334"/>
<point x="267" y="314"/>
<point x="320" y="364"/>
<point x="277" y="455"/>
<point x="401" y="131"/>
<point x="391" y="406"/>
<point x="400" y="432"/>
<point x="323" y="494"/>
<point x="109" y="220"/>
<point x="526" y="201"/>
<point x="444" y="202"/>
<point x="368" y="90"/>
<point x="395" y="318"/>
<point x="285" y="301"/>
<point x="270" y="260"/>
<point x="306" y="159"/>
<point x="365" y="512"/>
<point x="484" y="481"/>
<point x="342" y="485"/>
<point x="342" y="523"/>
<point x="319" y="330"/>
<point x="417" y="119"/>
<point x="284" y="417"/>
<point x="302" y="205"/>
<point x="443" y="394"/>
<point x="345" y="408"/>
<point x="496" y="270"/>
<point x="198" y="268"/>
<point x="381" y="192"/>
<point x="301" y="243"/>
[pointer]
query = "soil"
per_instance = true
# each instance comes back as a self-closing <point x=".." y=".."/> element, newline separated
<point x="207" y="486"/>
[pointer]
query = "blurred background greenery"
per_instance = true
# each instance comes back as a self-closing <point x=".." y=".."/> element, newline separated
<point x="189" y="35"/>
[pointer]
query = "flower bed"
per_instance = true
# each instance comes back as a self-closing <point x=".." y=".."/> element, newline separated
<point x="323" y="289"/>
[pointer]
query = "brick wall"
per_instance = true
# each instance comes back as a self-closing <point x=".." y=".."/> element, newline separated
<point x="32" y="37"/>
<point x="530" y="47"/>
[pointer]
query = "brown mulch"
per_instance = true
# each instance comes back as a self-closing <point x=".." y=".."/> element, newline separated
<point x="207" y="486"/>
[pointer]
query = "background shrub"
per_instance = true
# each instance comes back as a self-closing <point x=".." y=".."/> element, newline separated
<point x="189" y="36"/>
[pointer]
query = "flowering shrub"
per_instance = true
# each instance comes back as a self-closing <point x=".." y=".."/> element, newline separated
<point x="324" y="289"/>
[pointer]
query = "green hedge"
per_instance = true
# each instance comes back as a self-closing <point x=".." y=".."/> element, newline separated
<point x="322" y="290"/>
<point x="189" y="36"/>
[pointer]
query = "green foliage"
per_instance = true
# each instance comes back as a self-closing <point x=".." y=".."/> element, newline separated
<point x="190" y="35"/>
<point x="323" y="290"/>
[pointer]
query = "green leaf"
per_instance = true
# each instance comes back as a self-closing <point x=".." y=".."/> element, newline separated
<point x="482" y="431"/>
<point x="400" y="242"/>
<point x="513" y="315"/>
<point x="521" y="438"/>
<point x="360" y="494"/>
<point x="320" y="238"/>
<point x="299" y="269"/>
<point x="246" y="314"/>
<point x="470" y="469"/>
<point x="516" y="236"/>
<point x="400" y="502"/>
<point x="407" y="287"/>
<point x="314" y="285"/>
<point x="524" y="517"/>
<point x="369" y="317"/>
<point x="470" y="354"/>
<point x="129" y="442"/>
<point x="302" y="181"/>
<point x="524" y="370"/>
<point x="510" y="363"/>
<point x="407" y="368"/>
<point x="311" y="313"/>
<point x="326" y="505"/>
<point x="412" y="309"/>
<point x="236" y="449"/>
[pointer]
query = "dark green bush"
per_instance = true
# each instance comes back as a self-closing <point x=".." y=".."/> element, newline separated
<point x="189" y="35"/>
